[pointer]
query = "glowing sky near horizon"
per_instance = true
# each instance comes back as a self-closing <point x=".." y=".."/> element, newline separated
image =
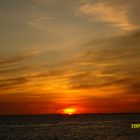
<point x="61" y="54"/>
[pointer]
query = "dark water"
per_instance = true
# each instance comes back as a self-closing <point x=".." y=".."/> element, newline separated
<point x="74" y="127"/>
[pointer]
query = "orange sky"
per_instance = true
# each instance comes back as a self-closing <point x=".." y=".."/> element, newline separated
<point x="58" y="54"/>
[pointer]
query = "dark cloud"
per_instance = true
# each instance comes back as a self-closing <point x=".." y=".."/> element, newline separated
<point x="11" y="70"/>
<point x="12" y="60"/>
<point x="17" y="58"/>
<point x="11" y="83"/>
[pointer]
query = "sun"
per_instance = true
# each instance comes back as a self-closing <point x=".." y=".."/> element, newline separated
<point x="69" y="111"/>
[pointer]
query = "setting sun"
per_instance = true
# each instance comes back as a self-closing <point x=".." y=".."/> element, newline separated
<point x="69" y="111"/>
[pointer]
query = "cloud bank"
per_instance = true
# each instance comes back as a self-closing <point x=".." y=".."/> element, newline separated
<point x="122" y="13"/>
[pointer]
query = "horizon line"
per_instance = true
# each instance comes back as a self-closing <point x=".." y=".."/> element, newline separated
<point x="70" y="115"/>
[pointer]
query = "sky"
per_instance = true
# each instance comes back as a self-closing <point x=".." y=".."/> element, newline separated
<point x="58" y="55"/>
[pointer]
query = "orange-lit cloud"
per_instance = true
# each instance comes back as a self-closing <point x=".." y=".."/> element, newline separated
<point x="89" y="66"/>
<point x="116" y="13"/>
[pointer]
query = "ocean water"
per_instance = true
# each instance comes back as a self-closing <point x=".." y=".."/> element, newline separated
<point x="70" y="127"/>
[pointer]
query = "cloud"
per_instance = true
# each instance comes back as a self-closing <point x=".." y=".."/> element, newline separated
<point x="39" y="22"/>
<point x="28" y="12"/>
<point x="17" y="58"/>
<point x="12" y="82"/>
<point x="30" y="79"/>
<point x="106" y="63"/>
<point x="43" y="1"/>
<point x="11" y="70"/>
<point x="116" y="13"/>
